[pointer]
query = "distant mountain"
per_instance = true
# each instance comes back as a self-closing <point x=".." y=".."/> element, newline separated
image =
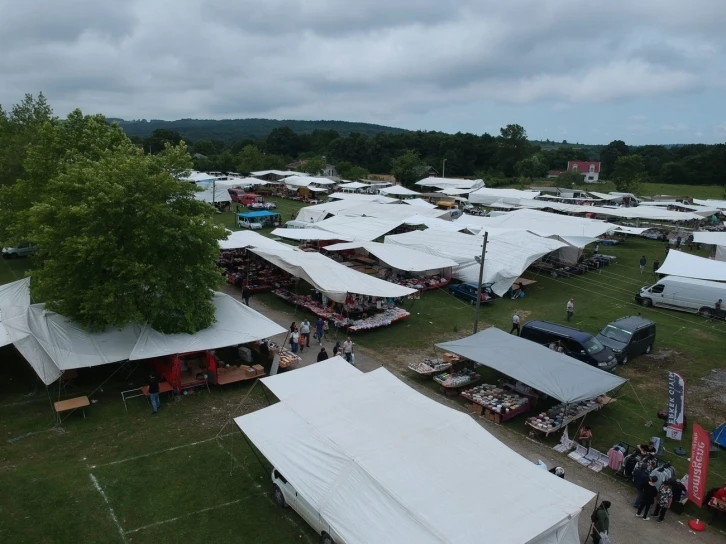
<point x="235" y="129"/>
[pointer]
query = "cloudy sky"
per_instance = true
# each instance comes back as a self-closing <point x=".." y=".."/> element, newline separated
<point x="645" y="71"/>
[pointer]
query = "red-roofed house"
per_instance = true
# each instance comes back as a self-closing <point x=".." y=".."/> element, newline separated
<point x="589" y="169"/>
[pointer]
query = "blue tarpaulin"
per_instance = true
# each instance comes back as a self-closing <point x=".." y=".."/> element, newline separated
<point x="254" y="215"/>
<point x="719" y="436"/>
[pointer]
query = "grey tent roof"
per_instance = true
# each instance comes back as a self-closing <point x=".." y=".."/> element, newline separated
<point x="552" y="373"/>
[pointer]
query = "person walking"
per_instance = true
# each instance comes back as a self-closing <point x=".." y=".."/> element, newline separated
<point x="301" y="341"/>
<point x="319" y="324"/>
<point x="293" y="327"/>
<point x="294" y="340"/>
<point x="154" y="393"/>
<point x="348" y="350"/>
<point x="640" y="480"/>
<point x="650" y="492"/>
<point x="322" y="354"/>
<point x="597" y="248"/>
<point x="305" y="331"/>
<point x="336" y="348"/>
<point x="246" y="294"/>
<point x="663" y="501"/>
<point x="643" y="261"/>
<point x="326" y="328"/>
<point x="515" y="324"/>
<point x="570" y="308"/>
<point x="656" y="266"/>
<point x="600" y="521"/>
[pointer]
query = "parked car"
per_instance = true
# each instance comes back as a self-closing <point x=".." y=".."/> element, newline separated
<point x="685" y="294"/>
<point x="467" y="291"/>
<point x="286" y="495"/>
<point x="23" y="250"/>
<point x="628" y="337"/>
<point x="248" y="223"/>
<point x="577" y="344"/>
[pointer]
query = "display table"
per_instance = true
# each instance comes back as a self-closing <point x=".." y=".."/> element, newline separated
<point x="233" y="374"/>
<point x="69" y="405"/>
<point x="387" y="317"/>
<point x="561" y="415"/>
<point x="287" y="358"/>
<point x="495" y="403"/>
<point x="429" y="367"/>
<point x="453" y="382"/>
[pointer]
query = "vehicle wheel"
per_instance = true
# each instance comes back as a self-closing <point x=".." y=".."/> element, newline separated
<point x="705" y="312"/>
<point x="625" y="360"/>
<point x="647" y="302"/>
<point x="649" y="349"/>
<point x="279" y="497"/>
<point x="326" y="539"/>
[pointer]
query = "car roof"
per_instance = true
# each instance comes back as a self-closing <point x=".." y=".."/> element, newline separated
<point x="632" y="322"/>
<point x="559" y="329"/>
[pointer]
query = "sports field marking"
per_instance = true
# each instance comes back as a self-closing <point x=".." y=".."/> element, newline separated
<point x="110" y="508"/>
<point x="203" y="510"/>
<point x="173" y="448"/>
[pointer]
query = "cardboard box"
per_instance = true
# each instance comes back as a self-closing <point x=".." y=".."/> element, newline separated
<point x="259" y="369"/>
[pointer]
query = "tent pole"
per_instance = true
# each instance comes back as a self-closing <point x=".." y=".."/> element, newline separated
<point x="589" y="530"/>
<point x="478" y="285"/>
<point x="254" y="450"/>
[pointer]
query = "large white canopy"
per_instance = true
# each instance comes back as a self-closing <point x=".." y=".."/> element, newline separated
<point x="640" y="212"/>
<point x="720" y="204"/>
<point x="435" y="223"/>
<point x="358" y="228"/>
<point x="508" y="255"/>
<point x="454" y="183"/>
<point x="361" y="197"/>
<point x="281" y="173"/>
<point x="308" y="234"/>
<point x="238" y="182"/>
<point x="330" y="277"/>
<point x="715" y="238"/>
<point x="555" y="374"/>
<point x="353" y="185"/>
<point x="419" y="203"/>
<point x="211" y="192"/>
<point x="398" y="190"/>
<point x="52" y="343"/>
<point x="13" y="295"/>
<point x="490" y="196"/>
<point x="400" y="258"/>
<point x="679" y="263"/>
<point x="246" y="238"/>
<point x="541" y="223"/>
<point x="359" y="449"/>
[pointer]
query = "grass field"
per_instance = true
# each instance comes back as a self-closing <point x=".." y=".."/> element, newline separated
<point x="186" y="475"/>
<point x="716" y="192"/>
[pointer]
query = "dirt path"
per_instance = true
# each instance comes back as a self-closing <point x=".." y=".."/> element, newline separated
<point x="624" y="527"/>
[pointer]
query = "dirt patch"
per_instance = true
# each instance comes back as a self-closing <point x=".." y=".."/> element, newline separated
<point x="703" y="335"/>
<point x="706" y="398"/>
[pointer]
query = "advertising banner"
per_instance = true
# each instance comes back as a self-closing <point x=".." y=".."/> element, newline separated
<point x="675" y="424"/>
<point x="698" y="468"/>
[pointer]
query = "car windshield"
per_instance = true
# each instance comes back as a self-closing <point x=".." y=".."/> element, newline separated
<point x="614" y="333"/>
<point x="593" y="346"/>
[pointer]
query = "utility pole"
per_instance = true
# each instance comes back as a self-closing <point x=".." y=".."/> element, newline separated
<point x="443" y="169"/>
<point x="480" y="260"/>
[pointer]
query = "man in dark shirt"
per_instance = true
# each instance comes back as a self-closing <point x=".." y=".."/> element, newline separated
<point x="154" y="392"/>
<point x="650" y="492"/>
<point x="246" y="294"/>
<point x="322" y="355"/>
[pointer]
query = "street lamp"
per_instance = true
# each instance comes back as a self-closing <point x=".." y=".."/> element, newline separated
<point x="480" y="260"/>
<point x="443" y="169"/>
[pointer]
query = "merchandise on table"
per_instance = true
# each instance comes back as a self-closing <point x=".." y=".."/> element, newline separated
<point x="460" y="378"/>
<point x="429" y="367"/>
<point x="315" y="307"/>
<point x="422" y="284"/>
<point x="379" y="320"/>
<point x="560" y="415"/>
<point x="287" y="358"/>
<point x="496" y="399"/>
<point x="239" y="267"/>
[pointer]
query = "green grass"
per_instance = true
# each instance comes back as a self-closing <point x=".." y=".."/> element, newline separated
<point x="50" y="496"/>
<point x="285" y="207"/>
<point x="716" y="192"/>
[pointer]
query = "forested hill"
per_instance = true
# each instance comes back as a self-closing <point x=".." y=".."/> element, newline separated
<point x="229" y="130"/>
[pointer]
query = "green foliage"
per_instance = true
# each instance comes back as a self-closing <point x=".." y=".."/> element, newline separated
<point x="569" y="178"/>
<point x="313" y="166"/>
<point x="159" y="138"/>
<point x="283" y="141"/>
<point x="351" y="172"/>
<point x="532" y="167"/>
<point x="628" y="173"/>
<point x="251" y="159"/>
<point x="609" y="156"/>
<point x="408" y="168"/>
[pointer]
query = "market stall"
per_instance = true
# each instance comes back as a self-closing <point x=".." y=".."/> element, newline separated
<point x="243" y="268"/>
<point x="498" y="404"/>
<point x="559" y="416"/>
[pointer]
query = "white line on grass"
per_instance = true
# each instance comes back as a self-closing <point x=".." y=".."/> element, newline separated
<point x="110" y="509"/>
<point x="203" y="510"/>
<point x="161" y="451"/>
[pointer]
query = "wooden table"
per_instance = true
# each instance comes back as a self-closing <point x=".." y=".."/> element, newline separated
<point x="69" y="405"/>
<point x="164" y="387"/>
<point x="233" y="374"/>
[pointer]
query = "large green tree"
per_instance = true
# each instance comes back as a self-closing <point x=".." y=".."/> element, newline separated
<point x="532" y="167"/>
<point x="513" y="147"/>
<point x="409" y="168"/>
<point x="313" y="166"/>
<point x="121" y="239"/>
<point x="610" y="155"/>
<point x="628" y="173"/>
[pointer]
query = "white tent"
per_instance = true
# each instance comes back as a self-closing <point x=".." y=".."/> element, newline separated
<point x="308" y="234"/>
<point x="357" y="228"/>
<point x="508" y="255"/>
<point x="330" y="277"/>
<point x="280" y="173"/>
<point x="398" y="190"/>
<point x="358" y="449"/>
<point x="400" y="258"/>
<point x="353" y="186"/>
<point x="211" y="192"/>
<point x="238" y="182"/>
<point x="720" y="204"/>
<point x="452" y="183"/>
<point x="555" y="374"/>
<point x="717" y="239"/>
<point x="435" y="223"/>
<point x="678" y="263"/>
<point x="395" y="211"/>
<point x="52" y="343"/>
<point x="488" y="196"/>
<point x="360" y="197"/>
<point x="246" y="238"/>
<point x="13" y="295"/>
<point x="420" y="203"/>
<point x="541" y="223"/>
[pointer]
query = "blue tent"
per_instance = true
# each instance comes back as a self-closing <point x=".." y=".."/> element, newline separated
<point x="255" y="215"/>
<point x="718" y="437"/>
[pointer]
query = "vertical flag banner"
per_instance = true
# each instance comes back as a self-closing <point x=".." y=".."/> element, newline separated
<point x="698" y="469"/>
<point x="676" y="406"/>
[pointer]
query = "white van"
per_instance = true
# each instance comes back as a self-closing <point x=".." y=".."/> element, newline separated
<point x="248" y="223"/>
<point x="286" y="495"/>
<point x="686" y="294"/>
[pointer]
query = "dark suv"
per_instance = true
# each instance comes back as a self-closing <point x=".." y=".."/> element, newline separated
<point x="573" y="342"/>
<point x="628" y="337"/>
